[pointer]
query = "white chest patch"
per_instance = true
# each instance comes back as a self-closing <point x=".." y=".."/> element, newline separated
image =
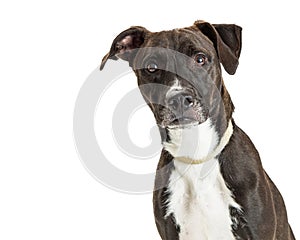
<point x="200" y="202"/>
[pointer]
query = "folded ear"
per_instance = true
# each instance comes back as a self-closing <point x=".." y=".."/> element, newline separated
<point x="124" y="43"/>
<point x="227" y="40"/>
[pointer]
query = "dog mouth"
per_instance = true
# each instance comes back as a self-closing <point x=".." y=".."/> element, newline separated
<point x="186" y="120"/>
<point x="183" y="122"/>
<point x="182" y="110"/>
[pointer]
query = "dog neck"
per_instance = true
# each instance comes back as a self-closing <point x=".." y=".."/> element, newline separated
<point x="198" y="144"/>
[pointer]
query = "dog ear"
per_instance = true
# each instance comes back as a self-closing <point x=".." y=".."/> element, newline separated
<point x="227" y="40"/>
<point x="124" y="43"/>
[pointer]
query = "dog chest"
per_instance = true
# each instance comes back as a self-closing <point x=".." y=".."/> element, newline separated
<point x="199" y="201"/>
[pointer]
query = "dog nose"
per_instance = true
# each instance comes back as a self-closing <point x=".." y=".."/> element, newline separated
<point x="180" y="102"/>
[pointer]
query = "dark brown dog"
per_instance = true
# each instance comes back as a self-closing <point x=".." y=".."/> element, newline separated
<point x="210" y="183"/>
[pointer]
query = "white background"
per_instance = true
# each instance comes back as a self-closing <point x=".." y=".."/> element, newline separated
<point x="47" y="50"/>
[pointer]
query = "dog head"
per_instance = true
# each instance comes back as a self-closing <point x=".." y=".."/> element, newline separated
<point x="186" y="62"/>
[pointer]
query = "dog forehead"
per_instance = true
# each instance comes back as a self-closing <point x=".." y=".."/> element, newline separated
<point x="179" y="39"/>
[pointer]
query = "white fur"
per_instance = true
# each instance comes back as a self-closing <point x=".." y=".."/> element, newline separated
<point x="194" y="142"/>
<point x="200" y="204"/>
<point x="174" y="89"/>
<point x="199" y="198"/>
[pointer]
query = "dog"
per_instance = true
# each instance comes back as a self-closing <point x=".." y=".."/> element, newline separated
<point x="210" y="183"/>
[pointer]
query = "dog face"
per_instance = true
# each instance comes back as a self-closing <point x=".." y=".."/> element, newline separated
<point x="185" y="64"/>
<point x="182" y="101"/>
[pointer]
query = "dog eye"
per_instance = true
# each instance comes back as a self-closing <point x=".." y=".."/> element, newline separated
<point x="200" y="58"/>
<point x="152" y="67"/>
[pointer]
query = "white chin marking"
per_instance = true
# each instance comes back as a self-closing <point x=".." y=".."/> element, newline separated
<point x="192" y="141"/>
